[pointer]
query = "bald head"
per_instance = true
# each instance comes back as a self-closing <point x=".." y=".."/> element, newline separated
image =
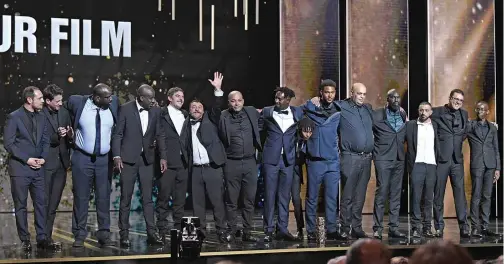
<point x="146" y="96"/>
<point x="337" y="260"/>
<point x="369" y="251"/>
<point x="235" y="101"/>
<point x="102" y="95"/>
<point x="358" y="93"/>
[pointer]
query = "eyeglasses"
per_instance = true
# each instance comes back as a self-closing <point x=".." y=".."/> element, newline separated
<point x="457" y="100"/>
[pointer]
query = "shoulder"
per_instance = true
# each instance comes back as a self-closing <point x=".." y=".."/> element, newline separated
<point x="368" y="106"/>
<point x="75" y="98"/>
<point x="13" y="114"/>
<point x="411" y="123"/>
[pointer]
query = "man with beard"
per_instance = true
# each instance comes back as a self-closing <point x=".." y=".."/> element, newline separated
<point x="322" y="160"/>
<point x="207" y="157"/>
<point x="279" y="123"/>
<point x="26" y="139"/>
<point x="133" y="148"/>
<point x="94" y="117"/>
<point x="452" y="122"/>
<point x="58" y="160"/>
<point x="422" y="156"/>
<point x="174" y="180"/>
<point x="239" y="132"/>
<point x="485" y="169"/>
<point x="389" y="136"/>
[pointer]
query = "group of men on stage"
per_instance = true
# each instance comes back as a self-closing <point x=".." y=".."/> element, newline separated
<point x="213" y="153"/>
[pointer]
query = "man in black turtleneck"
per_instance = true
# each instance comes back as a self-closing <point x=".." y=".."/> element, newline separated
<point x="239" y="132"/>
<point x="452" y="121"/>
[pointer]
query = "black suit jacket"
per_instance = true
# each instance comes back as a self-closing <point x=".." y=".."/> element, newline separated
<point x="208" y="134"/>
<point x="411" y="139"/>
<point x="175" y="144"/>
<point x="450" y="142"/>
<point x="253" y="116"/>
<point x="19" y="143"/>
<point x="59" y="150"/>
<point x="484" y="148"/>
<point x="388" y="144"/>
<point x="128" y="138"/>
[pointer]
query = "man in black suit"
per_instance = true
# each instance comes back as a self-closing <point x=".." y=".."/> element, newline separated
<point x="389" y="135"/>
<point x="174" y="180"/>
<point x="26" y="139"/>
<point x="207" y="157"/>
<point x="452" y="121"/>
<point x="58" y="160"/>
<point x="133" y="148"/>
<point x="485" y="169"/>
<point x="239" y="132"/>
<point x="423" y="145"/>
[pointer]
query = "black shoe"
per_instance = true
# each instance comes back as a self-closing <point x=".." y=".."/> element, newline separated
<point x="428" y="233"/>
<point x="248" y="237"/>
<point x="476" y="233"/>
<point x="311" y="237"/>
<point x="155" y="240"/>
<point x="464" y="234"/>
<point x="47" y="244"/>
<point x="377" y="235"/>
<point x="107" y="242"/>
<point x="490" y="233"/>
<point x="359" y="234"/>
<point x="416" y="234"/>
<point x="224" y="237"/>
<point x="396" y="234"/>
<point x="26" y="245"/>
<point x="286" y="237"/>
<point x="124" y="242"/>
<point x="238" y="233"/>
<point x="269" y="237"/>
<point x="300" y="234"/>
<point x="337" y="236"/>
<point x="78" y="243"/>
<point x="439" y="233"/>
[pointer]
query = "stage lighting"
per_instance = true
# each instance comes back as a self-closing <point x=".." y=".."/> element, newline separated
<point x="190" y="238"/>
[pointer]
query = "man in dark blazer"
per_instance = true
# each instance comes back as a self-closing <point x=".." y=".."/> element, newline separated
<point x="207" y="157"/>
<point x="279" y="123"/>
<point x="422" y="156"/>
<point x="58" y="160"/>
<point x="133" y="149"/>
<point x="94" y="117"/>
<point x="173" y="182"/>
<point x="26" y="139"/>
<point x="239" y="132"/>
<point x="452" y="121"/>
<point x="485" y="169"/>
<point x="389" y="135"/>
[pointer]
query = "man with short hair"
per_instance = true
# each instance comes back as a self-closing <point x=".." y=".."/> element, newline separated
<point x="58" y="159"/>
<point x="26" y="139"/>
<point x="133" y="147"/>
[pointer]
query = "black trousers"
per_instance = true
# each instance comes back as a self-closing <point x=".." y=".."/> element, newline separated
<point x="389" y="176"/>
<point x="173" y="183"/>
<point x="423" y="180"/>
<point x="55" y="180"/>
<point x="208" y="180"/>
<point x="482" y="183"/>
<point x="20" y="186"/>
<point x="240" y="177"/>
<point x="355" y="174"/>
<point x="456" y="173"/>
<point x="145" y="173"/>
<point x="296" y="196"/>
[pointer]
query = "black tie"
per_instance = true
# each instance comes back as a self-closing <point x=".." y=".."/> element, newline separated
<point x="98" y="133"/>
<point x="34" y="127"/>
<point x="194" y="122"/>
<point x="142" y="109"/>
<point x="285" y="112"/>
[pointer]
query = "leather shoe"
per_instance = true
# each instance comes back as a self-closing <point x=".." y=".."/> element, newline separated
<point x="269" y="237"/>
<point x="428" y="233"/>
<point x="464" y="234"/>
<point x="476" y="233"/>
<point x="417" y="234"/>
<point x="311" y="237"/>
<point x="125" y="243"/>
<point x="78" y="243"/>
<point x="224" y="237"/>
<point x="107" y="242"/>
<point x="396" y="234"/>
<point x="286" y="237"/>
<point x="490" y="233"/>
<point x="248" y="237"/>
<point x="377" y="235"/>
<point x="337" y="236"/>
<point x="155" y="239"/>
<point x="47" y="244"/>
<point x="359" y="234"/>
<point x="439" y="233"/>
<point x="26" y="245"/>
<point x="300" y="234"/>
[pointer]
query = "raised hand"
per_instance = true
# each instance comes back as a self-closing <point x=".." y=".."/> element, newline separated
<point x="315" y="101"/>
<point x="217" y="80"/>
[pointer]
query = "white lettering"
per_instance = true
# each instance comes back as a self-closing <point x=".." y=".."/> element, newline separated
<point x="6" y="33"/>
<point x="75" y="39"/>
<point x="20" y="33"/>
<point x="56" y="34"/>
<point x="121" y="36"/>
<point x="87" y="40"/>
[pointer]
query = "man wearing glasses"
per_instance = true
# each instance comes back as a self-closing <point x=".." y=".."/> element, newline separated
<point x="452" y="121"/>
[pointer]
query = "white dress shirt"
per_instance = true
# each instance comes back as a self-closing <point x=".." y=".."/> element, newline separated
<point x="284" y="120"/>
<point x="200" y="154"/>
<point x="144" y="117"/>
<point x="425" y="143"/>
<point x="177" y="117"/>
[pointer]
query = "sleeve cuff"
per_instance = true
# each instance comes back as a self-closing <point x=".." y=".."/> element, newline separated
<point x="218" y="92"/>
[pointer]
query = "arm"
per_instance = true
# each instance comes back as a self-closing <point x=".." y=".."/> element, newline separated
<point x="215" y="111"/>
<point x="118" y="134"/>
<point x="160" y="138"/>
<point x="45" y="140"/>
<point x="10" y="131"/>
<point x="260" y="121"/>
<point x="497" y="154"/>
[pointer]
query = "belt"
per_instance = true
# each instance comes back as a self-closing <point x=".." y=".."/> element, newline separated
<point x="90" y="155"/>
<point x="365" y="154"/>
<point x="202" y="165"/>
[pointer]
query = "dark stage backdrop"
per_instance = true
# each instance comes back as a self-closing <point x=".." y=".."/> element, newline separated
<point x="168" y="48"/>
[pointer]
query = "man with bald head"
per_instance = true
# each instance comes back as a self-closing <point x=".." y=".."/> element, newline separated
<point x="368" y="251"/>
<point x="133" y="147"/>
<point x="239" y="132"/>
<point x="94" y="117"/>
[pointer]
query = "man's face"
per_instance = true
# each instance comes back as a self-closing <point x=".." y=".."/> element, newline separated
<point x="103" y="98"/>
<point x="56" y="103"/>
<point x="281" y="101"/>
<point x="177" y="99"/>
<point x="147" y="100"/>
<point x="456" y="101"/>
<point x="359" y="94"/>
<point x="424" y="112"/>
<point x="394" y="100"/>
<point x="328" y="93"/>
<point x="482" y="111"/>
<point x="37" y="102"/>
<point x="196" y="110"/>
<point x="236" y="102"/>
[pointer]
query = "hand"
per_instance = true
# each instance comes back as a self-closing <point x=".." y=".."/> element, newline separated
<point x="217" y="81"/>
<point x="40" y="162"/>
<point x="32" y="162"/>
<point x="155" y="104"/>
<point x="496" y="176"/>
<point x="118" y="165"/>
<point x="62" y="132"/>
<point x="70" y="132"/>
<point x="259" y="110"/>
<point x="316" y="101"/>
<point x="164" y="165"/>
<point x="495" y="124"/>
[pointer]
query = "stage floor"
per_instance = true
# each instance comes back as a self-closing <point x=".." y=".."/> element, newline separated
<point x="11" y="252"/>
